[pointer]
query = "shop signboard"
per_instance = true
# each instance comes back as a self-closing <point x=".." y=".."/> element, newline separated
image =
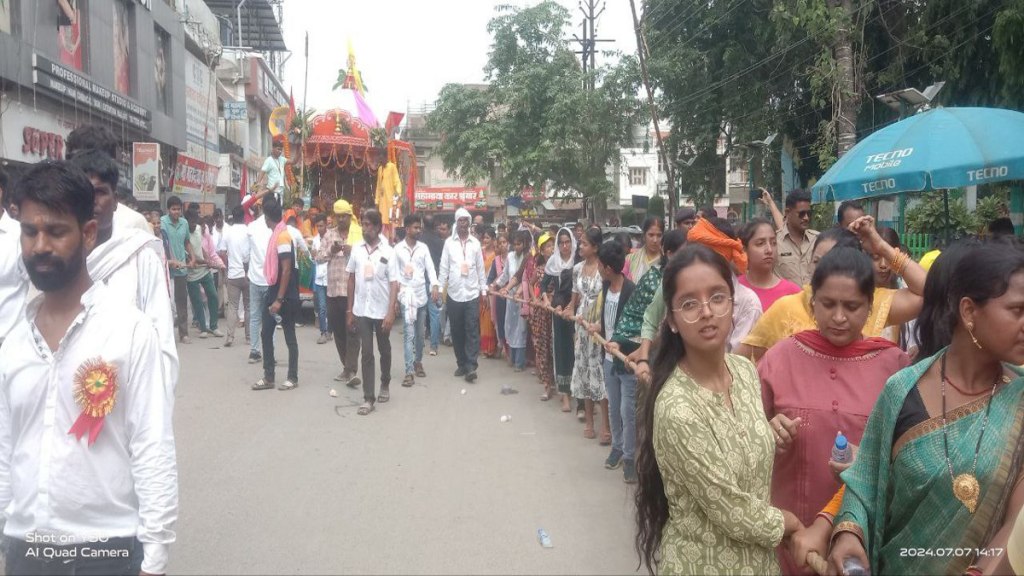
<point x="193" y="176"/>
<point x="449" y="198"/>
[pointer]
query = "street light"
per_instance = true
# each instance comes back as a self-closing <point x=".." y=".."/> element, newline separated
<point x="911" y="99"/>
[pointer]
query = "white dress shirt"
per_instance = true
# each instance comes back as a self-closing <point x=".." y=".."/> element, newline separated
<point x="13" y="276"/>
<point x="462" y="268"/>
<point x="51" y="482"/>
<point x="235" y="242"/>
<point x="259" y="240"/>
<point x="413" y="267"/>
<point x="372" y="269"/>
<point x="132" y="265"/>
<point x="321" y="267"/>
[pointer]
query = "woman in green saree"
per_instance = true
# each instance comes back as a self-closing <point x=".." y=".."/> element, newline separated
<point x="935" y="486"/>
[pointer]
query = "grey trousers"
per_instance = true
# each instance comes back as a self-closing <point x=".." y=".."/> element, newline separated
<point x="368" y="328"/>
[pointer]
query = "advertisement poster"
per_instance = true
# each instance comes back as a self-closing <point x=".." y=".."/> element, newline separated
<point x="192" y="176"/>
<point x="146" y="171"/>
<point x="163" y="49"/>
<point x="122" y="48"/>
<point x="200" y="111"/>
<point x="69" y="33"/>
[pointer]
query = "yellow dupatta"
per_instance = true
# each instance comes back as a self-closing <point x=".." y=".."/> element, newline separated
<point x="792" y="314"/>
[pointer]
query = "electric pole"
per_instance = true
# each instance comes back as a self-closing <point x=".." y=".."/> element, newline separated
<point x="588" y="43"/>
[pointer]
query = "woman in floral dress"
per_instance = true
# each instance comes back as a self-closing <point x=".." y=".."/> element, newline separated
<point x="588" y="370"/>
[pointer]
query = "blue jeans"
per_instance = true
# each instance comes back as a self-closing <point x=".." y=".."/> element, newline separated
<point x="414" y="339"/>
<point x="320" y="299"/>
<point x="621" y="409"/>
<point x="257" y="294"/>
<point x="518" y="358"/>
<point x="435" y="323"/>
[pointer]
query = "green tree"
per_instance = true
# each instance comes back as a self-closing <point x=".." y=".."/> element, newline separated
<point x="737" y="70"/>
<point x="533" y="122"/>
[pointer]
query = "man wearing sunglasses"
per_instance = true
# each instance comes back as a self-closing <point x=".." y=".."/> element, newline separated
<point x="795" y="239"/>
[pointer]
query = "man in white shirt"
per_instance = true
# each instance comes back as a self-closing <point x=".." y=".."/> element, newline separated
<point x="234" y="248"/>
<point x="129" y="261"/>
<point x="320" y="279"/>
<point x="414" y="270"/>
<point x="462" y="270"/>
<point x="216" y="228"/>
<point x="13" y="278"/>
<point x="87" y="455"/>
<point x="272" y="176"/>
<point x="259" y="240"/>
<point x="373" y="291"/>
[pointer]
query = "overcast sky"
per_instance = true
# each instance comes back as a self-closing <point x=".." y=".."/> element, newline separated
<point x="408" y="49"/>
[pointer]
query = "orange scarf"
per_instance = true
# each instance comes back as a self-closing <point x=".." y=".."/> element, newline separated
<point x="732" y="250"/>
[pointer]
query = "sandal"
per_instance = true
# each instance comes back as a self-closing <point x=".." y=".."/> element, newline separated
<point x="288" y="385"/>
<point x="262" y="384"/>
<point x="420" y="372"/>
<point x="606" y="439"/>
<point x="547" y="395"/>
<point x="589" y="433"/>
<point x="365" y="409"/>
<point x="384" y="395"/>
<point x="580" y="415"/>
<point x="408" y="381"/>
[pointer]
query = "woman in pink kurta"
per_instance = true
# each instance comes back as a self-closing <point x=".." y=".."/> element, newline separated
<point x="827" y="378"/>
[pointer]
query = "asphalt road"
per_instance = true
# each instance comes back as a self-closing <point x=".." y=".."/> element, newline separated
<point x="432" y="482"/>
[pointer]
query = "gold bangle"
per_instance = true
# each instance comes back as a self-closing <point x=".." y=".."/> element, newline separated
<point x="849" y="527"/>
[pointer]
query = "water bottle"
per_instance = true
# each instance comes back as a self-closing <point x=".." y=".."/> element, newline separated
<point x="853" y="567"/>
<point x="277" y="318"/>
<point x="841" y="453"/>
<point x="545" y="540"/>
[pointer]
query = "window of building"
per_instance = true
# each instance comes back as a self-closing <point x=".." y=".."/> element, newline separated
<point x="421" y="175"/>
<point x="638" y="176"/>
<point x="73" y="35"/>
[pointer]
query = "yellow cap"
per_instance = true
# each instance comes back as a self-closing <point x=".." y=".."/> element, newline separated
<point x="342" y="207"/>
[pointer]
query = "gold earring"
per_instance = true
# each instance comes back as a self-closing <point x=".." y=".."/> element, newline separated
<point x="970" y="330"/>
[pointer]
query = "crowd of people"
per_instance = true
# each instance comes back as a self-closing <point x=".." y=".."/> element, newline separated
<point x="720" y="367"/>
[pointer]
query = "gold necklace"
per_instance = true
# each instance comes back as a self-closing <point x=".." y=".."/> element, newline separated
<point x="965" y="486"/>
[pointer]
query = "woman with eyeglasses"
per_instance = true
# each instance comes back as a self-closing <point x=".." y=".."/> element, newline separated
<point x="705" y="449"/>
<point x="821" y="382"/>
<point x="937" y="482"/>
<point x="792" y="314"/>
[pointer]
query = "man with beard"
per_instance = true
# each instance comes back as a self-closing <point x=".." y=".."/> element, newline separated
<point x="335" y="248"/>
<point x="87" y="456"/>
<point x="373" y="291"/>
<point x="13" y="279"/>
<point x="415" y="273"/>
<point x="129" y="261"/>
<point x="462" y="269"/>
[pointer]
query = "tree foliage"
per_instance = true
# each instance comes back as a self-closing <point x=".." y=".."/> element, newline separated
<point x="533" y="118"/>
<point x="749" y="68"/>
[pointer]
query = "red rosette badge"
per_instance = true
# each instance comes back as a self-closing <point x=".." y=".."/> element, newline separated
<point x="95" y="391"/>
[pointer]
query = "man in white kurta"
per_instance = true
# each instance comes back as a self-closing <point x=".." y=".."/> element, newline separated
<point x="88" y="470"/>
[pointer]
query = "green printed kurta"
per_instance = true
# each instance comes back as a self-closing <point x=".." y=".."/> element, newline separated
<point x="717" y="469"/>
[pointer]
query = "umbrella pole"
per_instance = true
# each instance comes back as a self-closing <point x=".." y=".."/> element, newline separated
<point x="945" y="205"/>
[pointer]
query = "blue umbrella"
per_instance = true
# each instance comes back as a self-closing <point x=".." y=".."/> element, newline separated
<point x="934" y="150"/>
